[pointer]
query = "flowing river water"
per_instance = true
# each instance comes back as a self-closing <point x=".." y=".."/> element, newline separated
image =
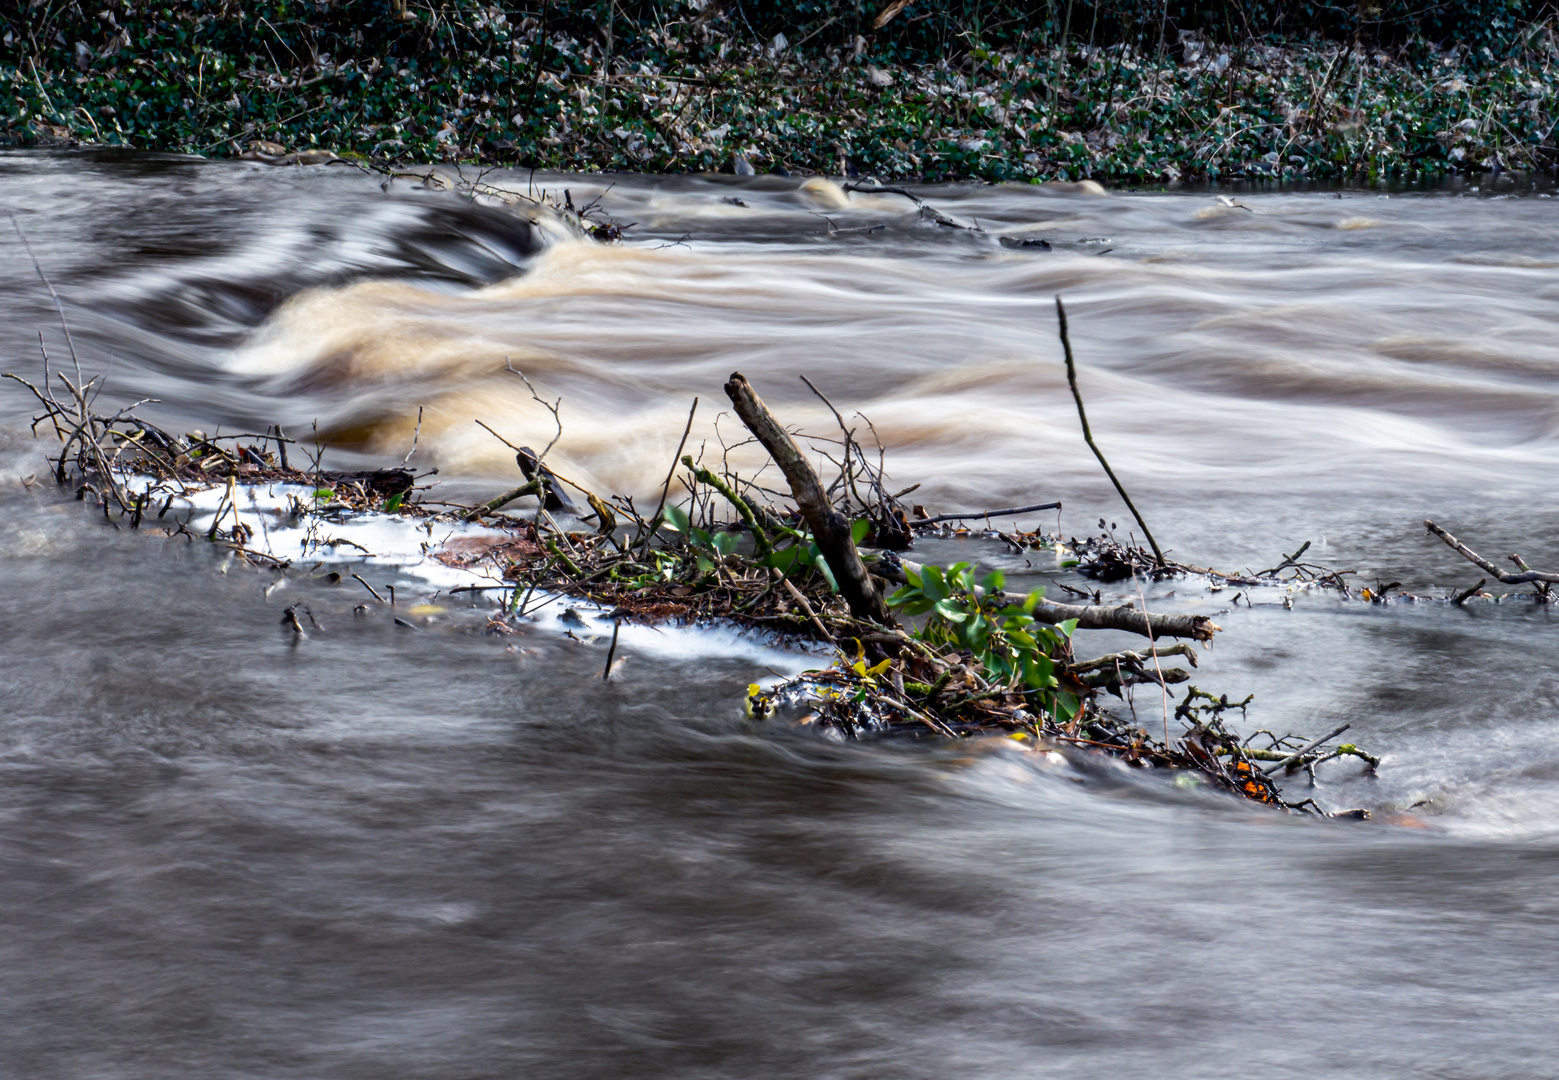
<point x="440" y="854"/>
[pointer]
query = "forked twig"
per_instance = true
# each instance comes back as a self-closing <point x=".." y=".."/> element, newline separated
<point x="1524" y="578"/>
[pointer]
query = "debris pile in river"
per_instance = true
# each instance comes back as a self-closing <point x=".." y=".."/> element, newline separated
<point x="944" y="654"/>
<point x="918" y="650"/>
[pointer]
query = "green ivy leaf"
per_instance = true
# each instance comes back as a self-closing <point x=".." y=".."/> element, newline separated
<point x="949" y="611"/>
<point x="933" y="583"/>
<point x="785" y="559"/>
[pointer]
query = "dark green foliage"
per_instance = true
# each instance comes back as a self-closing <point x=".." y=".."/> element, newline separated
<point x="928" y="29"/>
<point x="947" y="88"/>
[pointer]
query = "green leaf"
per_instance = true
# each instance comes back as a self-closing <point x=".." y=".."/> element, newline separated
<point x="725" y="542"/>
<point x="1067" y="628"/>
<point x="677" y="519"/>
<point x="393" y="503"/>
<point x="820" y="564"/>
<point x="994" y="581"/>
<point x="934" y="583"/>
<point x="785" y="559"/>
<point x="859" y="528"/>
<point x="322" y="493"/>
<point x="977" y="631"/>
<point x="1039" y="671"/>
<point x="949" y="611"/>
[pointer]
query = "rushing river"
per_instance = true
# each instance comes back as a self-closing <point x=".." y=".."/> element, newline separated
<point x="440" y="854"/>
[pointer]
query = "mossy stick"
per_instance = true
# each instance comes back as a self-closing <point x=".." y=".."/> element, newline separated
<point x="760" y="539"/>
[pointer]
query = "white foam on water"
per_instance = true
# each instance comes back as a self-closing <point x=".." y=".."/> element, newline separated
<point x="409" y="546"/>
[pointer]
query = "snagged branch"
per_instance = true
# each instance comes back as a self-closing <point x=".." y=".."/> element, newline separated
<point x="532" y="487"/>
<point x="1293" y="759"/>
<point x="987" y="513"/>
<point x="1473" y="557"/>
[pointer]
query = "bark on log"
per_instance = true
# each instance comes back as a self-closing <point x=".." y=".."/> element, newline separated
<point x="830" y="529"/>
<point x="1125" y="617"/>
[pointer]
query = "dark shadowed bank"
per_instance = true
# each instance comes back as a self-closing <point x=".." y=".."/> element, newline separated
<point x="1126" y="91"/>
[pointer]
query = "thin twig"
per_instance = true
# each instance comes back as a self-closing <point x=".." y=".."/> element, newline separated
<point x="1071" y="378"/>
<point x="415" y="435"/>
<point x="370" y="588"/>
<point x="611" y="650"/>
<point x="1302" y="751"/>
<point x="987" y="513"/>
<point x="59" y="306"/>
<point x="665" y="489"/>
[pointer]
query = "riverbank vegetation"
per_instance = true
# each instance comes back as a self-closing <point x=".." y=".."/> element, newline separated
<point x="1117" y="91"/>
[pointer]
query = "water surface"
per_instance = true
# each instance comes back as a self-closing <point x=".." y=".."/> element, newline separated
<point x="435" y="853"/>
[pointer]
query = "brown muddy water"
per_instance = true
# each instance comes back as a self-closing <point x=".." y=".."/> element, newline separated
<point x="390" y="853"/>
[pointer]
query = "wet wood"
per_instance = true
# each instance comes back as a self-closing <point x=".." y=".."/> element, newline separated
<point x="830" y="528"/>
<point x="1527" y="576"/>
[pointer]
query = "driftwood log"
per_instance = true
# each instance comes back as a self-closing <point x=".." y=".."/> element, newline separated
<point x="830" y="528"/>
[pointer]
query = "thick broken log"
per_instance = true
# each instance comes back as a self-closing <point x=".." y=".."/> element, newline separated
<point x="830" y="528"/>
<point x="1092" y="616"/>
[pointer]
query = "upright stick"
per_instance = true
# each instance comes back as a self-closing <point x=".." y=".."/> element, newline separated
<point x="665" y="489"/>
<point x="1071" y="378"/>
<point x="47" y="284"/>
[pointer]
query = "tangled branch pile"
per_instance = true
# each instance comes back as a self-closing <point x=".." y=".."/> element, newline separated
<point x="917" y="650"/>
